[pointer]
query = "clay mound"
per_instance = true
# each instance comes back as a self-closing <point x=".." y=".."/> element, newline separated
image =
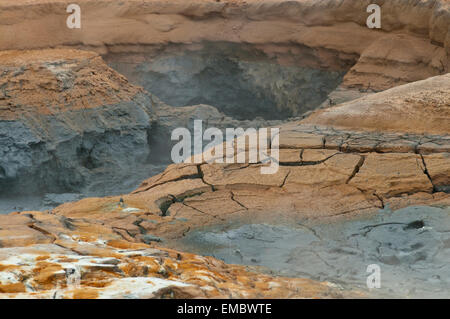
<point x="66" y="120"/>
<point x="419" y="107"/>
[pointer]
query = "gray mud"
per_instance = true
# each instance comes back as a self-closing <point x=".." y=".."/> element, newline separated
<point x="411" y="246"/>
<point x="93" y="152"/>
<point x="240" y="80"/>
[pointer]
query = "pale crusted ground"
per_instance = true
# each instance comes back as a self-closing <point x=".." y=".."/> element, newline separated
<point x="324" y="174"/>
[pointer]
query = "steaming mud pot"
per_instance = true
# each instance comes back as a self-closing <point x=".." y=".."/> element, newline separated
<point x="411" y="246"/>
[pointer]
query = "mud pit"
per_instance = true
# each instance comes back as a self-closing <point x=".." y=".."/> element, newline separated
<point x="411" y="246"/>
<point x="241" y="80"/>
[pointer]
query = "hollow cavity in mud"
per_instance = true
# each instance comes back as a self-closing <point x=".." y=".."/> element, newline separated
<point x="411" y="246"/>
<point x="243" y="81"/>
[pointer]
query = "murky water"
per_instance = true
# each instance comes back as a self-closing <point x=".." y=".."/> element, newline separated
<point x="411" y="246"/>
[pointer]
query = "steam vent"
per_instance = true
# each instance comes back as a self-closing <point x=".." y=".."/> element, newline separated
<point x="262" y="149"/>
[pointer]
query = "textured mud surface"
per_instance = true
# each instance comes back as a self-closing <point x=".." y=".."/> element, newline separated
<point x="411" y="246"/>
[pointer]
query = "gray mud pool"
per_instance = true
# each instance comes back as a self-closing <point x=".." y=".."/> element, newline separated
<point x="411" y="246"/>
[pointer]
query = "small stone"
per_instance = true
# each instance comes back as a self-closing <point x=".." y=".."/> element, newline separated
<point x="150" y="238"/>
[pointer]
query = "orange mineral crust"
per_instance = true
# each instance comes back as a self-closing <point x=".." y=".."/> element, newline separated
<point x="49" y="82"/>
